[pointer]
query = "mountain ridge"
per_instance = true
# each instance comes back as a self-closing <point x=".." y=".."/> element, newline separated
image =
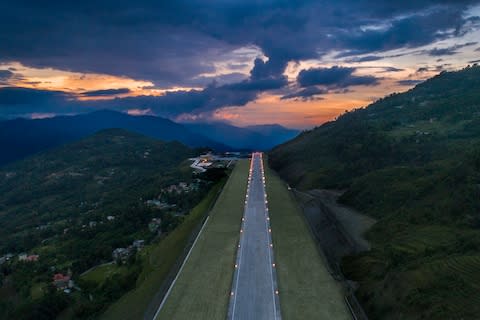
<point x="257" y="137"/>
<point x="23" y="137"/>
<point x="412" y="161"/>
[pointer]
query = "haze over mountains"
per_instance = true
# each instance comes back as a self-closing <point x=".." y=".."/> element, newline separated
<point x="22" y="137"/>
<point x="260" y="137"/>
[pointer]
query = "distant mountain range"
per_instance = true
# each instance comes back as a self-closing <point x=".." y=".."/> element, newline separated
<point x="22" y="137"/>
<point x="260" y="137"/>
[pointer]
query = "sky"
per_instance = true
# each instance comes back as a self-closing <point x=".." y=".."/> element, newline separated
<point x="296" y="63"/>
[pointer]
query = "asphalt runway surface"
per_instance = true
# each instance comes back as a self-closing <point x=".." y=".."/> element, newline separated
<point x="254" y="293"/>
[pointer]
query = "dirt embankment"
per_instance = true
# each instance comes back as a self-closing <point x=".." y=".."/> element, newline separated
<point x="339" y="231"/>
<point x="352" y="222"/>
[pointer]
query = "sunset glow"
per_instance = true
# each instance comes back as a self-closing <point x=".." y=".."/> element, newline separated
<point x="244" y="81"/>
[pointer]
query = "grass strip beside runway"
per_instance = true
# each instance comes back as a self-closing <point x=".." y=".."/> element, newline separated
<point x="202" y="289"/>
<point x="158" y="260"/>
<point x="307" y="290"/>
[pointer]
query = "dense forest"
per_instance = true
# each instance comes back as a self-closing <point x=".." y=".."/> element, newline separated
<point x="66" y="210"/>
<point x="412" y="161"/>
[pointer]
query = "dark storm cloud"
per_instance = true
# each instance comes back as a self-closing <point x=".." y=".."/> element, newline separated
<point x="172" y="43"/>
<point x="24" y="96"/>
<point x="208" y="99"/>
<point x="411" y="31"/>
<point x="306" y="94"/>
<point x="171" y="104"/>
<point x="22" y="101"/>
<point x="16" y="101"/>
<point x="106" y="92"/>
<point x="223" y="79"/>
<point x="259" y="84"/>
<point x="335" y="77"/>
<point x="323" y="76"/>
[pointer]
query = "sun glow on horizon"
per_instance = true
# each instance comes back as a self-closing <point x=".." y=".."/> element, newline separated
<point x="77" y="83"/>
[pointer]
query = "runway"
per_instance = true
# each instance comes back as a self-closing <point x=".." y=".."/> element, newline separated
<point x="254" y="293"/>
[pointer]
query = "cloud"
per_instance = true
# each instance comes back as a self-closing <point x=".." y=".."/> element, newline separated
<point x="306" y="94"/>
<point x="448" y="51"/>
<point x="365" y="58"/>
<point x="409" y="82"/>
<point x="443" y="51"/>
<point x="5" y="74"/>
<point x="392" y="69"/>
<point x="411" y="30"/>
<point x="25" y="96"/>
<point x="173" y="42"/>
<point x="324" y="76"/>
<point x="172" y="104"/>
<point x="106" y="92"/>
<point x="271" y="83"/>
<point x="17" y="102"/>
<point x="175" y="103"/>
<point x="222" y="79"/>
<point x="335" y="77"/>
<point x="180" y="43"/>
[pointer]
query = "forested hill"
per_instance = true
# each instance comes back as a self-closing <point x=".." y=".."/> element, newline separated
<point x="20" y="138"/>
<point x="72" y="206"/>
<point x="411" y="160"/>
<point x="100" y="175"/>
<point x="438" y="119"/>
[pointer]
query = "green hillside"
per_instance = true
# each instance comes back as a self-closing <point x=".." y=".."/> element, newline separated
<point x="411" y="160"/>
<point x="74" y="205"/>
